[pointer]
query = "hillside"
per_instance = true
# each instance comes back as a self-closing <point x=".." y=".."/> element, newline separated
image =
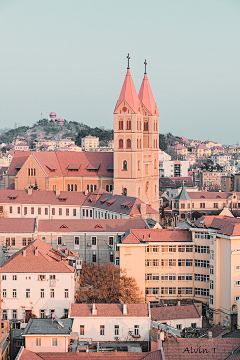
<point x="49" y="129"/>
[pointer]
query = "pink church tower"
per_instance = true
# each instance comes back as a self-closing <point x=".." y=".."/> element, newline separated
<point x="136" y="143"/>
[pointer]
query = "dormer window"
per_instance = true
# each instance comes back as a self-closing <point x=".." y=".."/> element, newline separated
<point x="63" y="226"/>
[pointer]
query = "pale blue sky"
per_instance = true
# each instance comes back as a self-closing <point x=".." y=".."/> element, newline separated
<point x="69" y="56"/>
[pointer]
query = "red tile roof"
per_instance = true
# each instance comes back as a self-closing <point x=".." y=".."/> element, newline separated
<point x="201" y="146"/>
<point x="226" y="225"/>
<point x="208" y="195"/>
<point x="199" y="348"/>
<point x="174" y="312"/>
<point x="146" y="96"/>
<point x="18" y="157"/>
<point x="155" y="235"/>
<point x="29" y="355"/>
<point x="217" y="331"/>
<point x="89" y="225"/>
<point x="17" y="225"/>
<point x="45" y="262"/>
<point x="109" y="310"/>
<point x="128" y="93"/>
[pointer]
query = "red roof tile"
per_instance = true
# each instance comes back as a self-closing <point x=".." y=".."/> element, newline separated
<point x="44" y="262"/>
<point x="146" y="96"/>
<point x="17" y="225"/>
<point x="174" y="312"/>
<point x="19" y="157"/>
<point x="77" y="356"/>
<point x="152" y="235"/>
<point x="109" y="310"/>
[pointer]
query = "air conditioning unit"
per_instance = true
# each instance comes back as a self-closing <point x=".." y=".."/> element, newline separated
<point x="116" y="337"/>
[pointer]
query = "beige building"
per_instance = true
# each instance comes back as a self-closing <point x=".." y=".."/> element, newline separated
<point x="136" y="148"/>
<point x="89" y="143"/>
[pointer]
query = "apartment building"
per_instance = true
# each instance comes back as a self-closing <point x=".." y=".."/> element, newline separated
<point x="173" y="168"/>
<point x="35" y="282"/>
<point x="90" y="143"/>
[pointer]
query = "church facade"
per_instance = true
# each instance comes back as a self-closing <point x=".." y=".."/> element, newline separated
<point x="136" y="143"/>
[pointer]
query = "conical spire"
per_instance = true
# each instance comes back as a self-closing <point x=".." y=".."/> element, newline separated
<point x="128" y="93"/>
<point x="146" y="96"/>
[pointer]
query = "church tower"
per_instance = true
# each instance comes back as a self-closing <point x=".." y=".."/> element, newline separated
<point x="136" y="142"/>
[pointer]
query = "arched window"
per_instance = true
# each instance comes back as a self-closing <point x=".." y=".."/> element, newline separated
<point x="120" y="125"/>
<point x="95" y="187"/>
<point x="124" y="164"/>
<point x="120" y="144"/>
<point x="107" y="188"/>
<point x="128" y="143"/>
<point x="111" y="188"/>
<point x="125" y="191"/>
<point x="91" y="188"/>
<point x="145" y="126"/>
<point x="128" y="124"/>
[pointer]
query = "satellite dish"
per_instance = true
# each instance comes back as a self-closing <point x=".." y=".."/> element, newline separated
<point x="55" y="317"/>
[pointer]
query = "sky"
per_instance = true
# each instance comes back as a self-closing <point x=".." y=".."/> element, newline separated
<point x="69" y="56"/>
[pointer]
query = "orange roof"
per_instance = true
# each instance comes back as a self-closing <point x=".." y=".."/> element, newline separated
<point x="146" y="96"/>
<point x="109" y="310"/>
<point x="19" y="157"/>
<point x="174" y="312"/>
<point x="45" y="262"/>
<point x="152" y="235"/>
<point x="17" y="225"/>
<point x="128" y="93"/>
<point x="29" y="355"/>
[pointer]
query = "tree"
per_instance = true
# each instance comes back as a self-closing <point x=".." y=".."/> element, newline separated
<point x="107" y="283"/>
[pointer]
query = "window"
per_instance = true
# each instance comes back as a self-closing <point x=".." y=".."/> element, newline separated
<point x="24" y="241"/>
<point x="152" y="291"/>
<point x="53" y="211"/>
<point x="4" y="314"/>
<point x="202" y="263"/>
<point x="211" y="299"/>
<point x="168" y="291"/>
<point x="65" y="313"/>
<point x="66" y="293"/>
<point x="28" y="293"/>
<point x="7" y="241"/>
<point x="193" y="325"/>
<point x="128" y="143"/>
<point x="185" y="277"/>
<point x="4" y="293"/>
<point x="202" y="205"/>
<point x="14" y="293"/>
<point x="38" y="341"/>
<point x="42" y="293"/>
<point x="117" y="261"/>
<point x="182" y="206"/>
<point x="32" y="210"/>
<point x="110" y="240"/>
<point x="76" y="240"/>
<point x="75" y="187"/>
<point x="168" y="277"/>
<point x="10" y="209"/>
<point x="102" y="328"/>
<point x="74" y="212"/>
<point x="185" y="248"/>
<point x="168" y="262"/>
<point x="125" y="191"/>
<point x="67" y="212"/>
<point x="120" y="125"/>
<point x="25" y="210"/>
<point x="52" y="311"/>
<point x="185" y="262"/>
<point x="124" y="164"/>
<point x="212" y="255"/>
<point x="211" y="270"/>
<point x="120" y="144"/>
<point x="14" y="277"/>
<point x="94" y="240"/>
<point x="185" y="291"/>
<point x="42" y="314"/>
<point x="212" y="284"/>
<point x="94" y="258"/>
<point x="54" y="341"/>
<point x="201" y="292"/>
<point x="166" y="248"/>
<point x="46" y="211"/>
<point x="215" y="205"/>
<point x="152" y="248"/>
<point x="52" y="277"/>
<point x="14" y="314"/>
<point x="152" y="262"/>
<point x="128" y="125"/>
<point x="18" y="210"/>
<point x="39" y="211"/>
<point x="179" y="326"/>
<point x="59" y="240"/>
<point x="60" y="211"/>
<point x="116" y="330"/>
<point x="152" y="277"/>
<point x="145" y="126"/>
<point x="237" y="283"/>
<point x="202" y="249"/>
<point x="29" y="240"/>
<point x="13" y="241"/>
<point x="51" y="293"/>
<point x="201" y="277"/>
<point x="136" y="330"/>
<point x="81" y="329"/>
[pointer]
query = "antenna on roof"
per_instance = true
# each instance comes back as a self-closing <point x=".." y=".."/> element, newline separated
<point x="55" y="317"/>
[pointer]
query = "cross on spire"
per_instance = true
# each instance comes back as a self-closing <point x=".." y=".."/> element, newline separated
<point x="145" y="63"/>
<point x="128" y="57"/>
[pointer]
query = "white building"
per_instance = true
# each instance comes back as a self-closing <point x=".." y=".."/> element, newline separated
<point x="173" y="168"/>
<point x="89" y="143"/>
<point x="36" y="281"/>
<point x="163" y="156"/>
<point x="111" y="322"/>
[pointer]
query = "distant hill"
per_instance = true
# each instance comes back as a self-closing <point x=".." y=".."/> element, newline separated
<point x="49" y="129"/>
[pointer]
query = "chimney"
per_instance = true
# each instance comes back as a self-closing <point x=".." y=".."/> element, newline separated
<point x="124" y="309"/>
<point x="179" y="303"/>
<point x="36" y="252"/>
<point x="57" y="192"/>
<point x="94" y="310"/>
<point x="210" y="335"/>
<point x="24" y="253"/>
<point x="29" y="191"/>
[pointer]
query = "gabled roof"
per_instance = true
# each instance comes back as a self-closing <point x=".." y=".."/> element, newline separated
<point x="44" y="262"/>
<point x="164" y="313"/>
<point x="19" y="157"/>
<point x="128" y="93"/>
<point x="109" y="310"/>
<point x="146" y="96"/>
<point x="137" y="236"/>
<point x="183" y="195"/>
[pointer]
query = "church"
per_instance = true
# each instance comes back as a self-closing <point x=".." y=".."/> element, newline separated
<point x="132" y="169"/>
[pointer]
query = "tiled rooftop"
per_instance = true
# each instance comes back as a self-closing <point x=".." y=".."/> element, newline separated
<point x="155" y="235"/>
<point x="46" y="327"/>
<point x="174" y="312"/>
<point x="109" y="310"/>
<point x="17" y="225"/>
